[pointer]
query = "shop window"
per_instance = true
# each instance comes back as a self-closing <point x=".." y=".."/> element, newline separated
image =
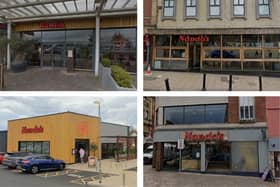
<point x="272" y="40"/>
<point x="231" y="65"/>
<point x="231" y="40"/>
<point x="178" y="64"/>
<point x="191" y="8"/>
<point x="170" y="156"/>
<point x="191" y="157"/>
<point x="163" y="40"/>
<point x="246" y="108"/>
<point x="168" y="8"/>
<point x="212" y="53"/>
<point x="178" y="53"/>
<point x="244" y="156"/>
<point x="162" y="53"/>
<point x="252" y="40"/>
<point x="239" y="8"/>
<point x="214" y="8"/>
<point x="253" y="66"/>
<point x="231" y="53"/>
<point x="272" y="54"/>
<point x="211" y="65"/>
<point x="218" y="156"/>
<point x="161" y="64"/>
<point x="53" y="36"/>
<point x="214" y="41"/>
<point x="45" y="147"/>
<point x="35" y="147"/>
<point x="263" y="8"/>
<point x="196" y="114"/>
<point x="253" y="54"/>
<point x="272" y="66"/>
<point x="176" y="42"/>
<point x="174" y="115"/>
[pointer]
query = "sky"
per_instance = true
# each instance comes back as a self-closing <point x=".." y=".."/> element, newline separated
<point x="120" y="110"/>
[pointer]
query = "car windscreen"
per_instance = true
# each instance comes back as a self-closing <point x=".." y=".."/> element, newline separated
<point x="148" y="151"/>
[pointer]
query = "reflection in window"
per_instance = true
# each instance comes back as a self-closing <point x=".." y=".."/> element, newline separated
<point x="264" y="8"/>
<point x="272" y="40"/>
<point x="163" y="40"/>
<point x="53" y="36"/>
<point x="169" y="8"/>
<point x="231" y="40"/>
<point x="191" y="8"/>
<point x="214" y="8"/>
<point x="252" y="40"/>
<point x="35" y="147"/>
<point x="238" y="7"/>
<point x="195" y="114"/>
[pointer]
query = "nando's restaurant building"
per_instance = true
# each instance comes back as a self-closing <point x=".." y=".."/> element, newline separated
<point x="84" y="31"/>
<point x="213" y="50"/>
<point x="210" y="138"/>
<point x="59" y="135"/>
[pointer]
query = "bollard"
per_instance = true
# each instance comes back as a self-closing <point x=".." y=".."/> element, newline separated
<point x="167" y="84"/>
<point x="123" y="178"/>
<point x="260" y="82"/>
<point x="204" y="82"/>
<point x="230" y="83"/>
<point x="100" y="174"/>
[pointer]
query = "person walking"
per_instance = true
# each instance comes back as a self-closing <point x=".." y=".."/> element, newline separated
<point x="82" y="154"/>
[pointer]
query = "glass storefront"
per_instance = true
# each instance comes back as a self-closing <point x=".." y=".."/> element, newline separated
<point x="50" y="47"/>
<point x="35" y="147"/>
<point x="196" y="114"/>
<point x="259" y="52"/>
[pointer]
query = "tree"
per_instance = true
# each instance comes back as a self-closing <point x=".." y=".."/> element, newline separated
<point x="93" y="147"/>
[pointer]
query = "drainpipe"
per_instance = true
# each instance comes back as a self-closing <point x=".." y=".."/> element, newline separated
<point x="9" y="31"/>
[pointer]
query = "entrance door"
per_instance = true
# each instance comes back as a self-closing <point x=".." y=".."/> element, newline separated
<point x="81" y="143"/>
<point x="53" y="55"/>
<point x="218" y="156"/>
<point x="277" y="164"/>
<point x="194" y="56"/>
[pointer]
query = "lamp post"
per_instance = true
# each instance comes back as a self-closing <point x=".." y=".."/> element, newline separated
<point x="98" y="102"/>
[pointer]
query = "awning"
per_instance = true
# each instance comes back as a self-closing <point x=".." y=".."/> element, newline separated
<point x="27" y="10"/>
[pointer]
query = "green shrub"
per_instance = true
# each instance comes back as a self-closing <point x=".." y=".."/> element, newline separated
<point x="106" y="62"/>
<point x="121" y="76"/>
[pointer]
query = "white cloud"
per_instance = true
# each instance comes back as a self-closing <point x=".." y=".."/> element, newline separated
<point x="121" y="110"/>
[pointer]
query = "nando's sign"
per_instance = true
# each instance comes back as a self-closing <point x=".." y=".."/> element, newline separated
<point x="204" y="136"/>
<point x="199" y="38"/>
<point x="36" y="129"/>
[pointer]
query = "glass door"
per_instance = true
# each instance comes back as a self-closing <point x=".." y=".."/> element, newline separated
<point x="53" y="54"/>
<point x="191" y="156"/>
<point x="194" y="56"/>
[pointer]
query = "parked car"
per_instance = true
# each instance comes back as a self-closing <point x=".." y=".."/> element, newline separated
<point x="36" y="163"/>
<point x="2" y="157"/>
<point x="226" y="54"/>
<point x="11" y="159"/>
<point x="148" y="155"/>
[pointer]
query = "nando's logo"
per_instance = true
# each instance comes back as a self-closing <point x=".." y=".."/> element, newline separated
<point x="36" y="129"/>
<point x="209" y="136"/>
<point x="183" y="38"/>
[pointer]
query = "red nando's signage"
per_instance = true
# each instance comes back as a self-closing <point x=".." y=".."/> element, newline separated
<point x="200" y="38"/>
<point x="209" y="136"/>
<point x="54" y="25"/>
<point x="36" y="129"/>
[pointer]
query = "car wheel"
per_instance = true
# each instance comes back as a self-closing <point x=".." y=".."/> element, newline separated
<point x="61" y="167"/>
<point x="34" y="169"/>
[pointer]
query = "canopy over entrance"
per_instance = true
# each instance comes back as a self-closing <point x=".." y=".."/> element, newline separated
<point x="27" y="10"/>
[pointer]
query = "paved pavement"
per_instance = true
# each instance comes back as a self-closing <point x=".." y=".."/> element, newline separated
<point x="153" y="178"/>
<point x="123" y="174"/>
<point x="51" y="79"/>
<point x="188" y="81"/>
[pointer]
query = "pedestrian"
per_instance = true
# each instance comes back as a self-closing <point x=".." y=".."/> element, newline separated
<point x="82" y="154"/>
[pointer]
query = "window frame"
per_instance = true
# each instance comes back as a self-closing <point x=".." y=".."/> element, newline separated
<point x="258" y="9"/>
<point x="244" y="7"/>
<point x="209" y="10"/>
<point x="196" y="9"/>
<point x="249" y="104"/>
<point x="173" y="17"/>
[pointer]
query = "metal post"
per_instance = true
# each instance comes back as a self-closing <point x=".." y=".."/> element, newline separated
<point x="100" y="172"/>
<point x="97" y="42"/>
<point x="260" y="82"/>
<point x="9" y="32"/>
<point x="204" y="82"/>
<point x="180" y="161"/>
<point x="123" y="178"/>
<point x="230" y="83"/>
<point x="167" y="84"/>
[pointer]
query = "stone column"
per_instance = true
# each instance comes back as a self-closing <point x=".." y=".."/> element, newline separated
<point x="202" y="156"/>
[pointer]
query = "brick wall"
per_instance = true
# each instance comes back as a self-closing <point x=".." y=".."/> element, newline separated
<point x="260" y="109"/>
<point x="233" y="110"/>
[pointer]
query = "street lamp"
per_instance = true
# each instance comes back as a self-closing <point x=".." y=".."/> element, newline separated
<point x="98" y="102"/>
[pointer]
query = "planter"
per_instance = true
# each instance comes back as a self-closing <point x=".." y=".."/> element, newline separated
<point x="19" y="67"/>
<point x="108" y="82"/>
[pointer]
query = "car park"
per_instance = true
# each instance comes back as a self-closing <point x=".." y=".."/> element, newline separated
<point x="11" y="160"/>
<point x="36" y="163"/>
